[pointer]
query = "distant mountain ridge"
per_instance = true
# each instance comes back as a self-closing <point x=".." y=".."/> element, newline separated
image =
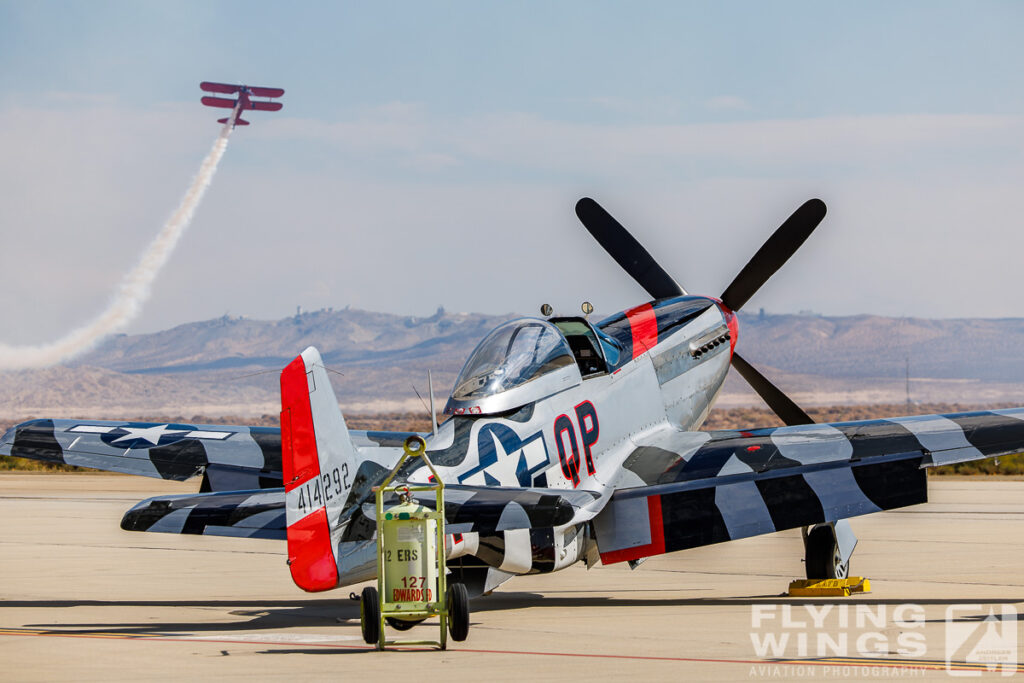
<point x="343" y="336"/>
<point x="231" y="364"/>
<point x="874" y="346"/>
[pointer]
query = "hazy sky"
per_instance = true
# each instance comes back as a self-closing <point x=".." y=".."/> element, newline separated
<point x="430" y="153"/>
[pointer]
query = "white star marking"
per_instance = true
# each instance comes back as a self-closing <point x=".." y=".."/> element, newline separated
<point x="505" y="469"/>
<point x="188" y="434"/>
<point x="150" y="434"/>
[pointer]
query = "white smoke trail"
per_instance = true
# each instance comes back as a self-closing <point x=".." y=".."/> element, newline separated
<point x="134" y="289"/>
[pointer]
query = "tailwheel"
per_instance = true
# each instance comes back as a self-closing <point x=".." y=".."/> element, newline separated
<point x="402" y="624"/>
<point x="369" y="615"/>
<point x="823" y="558"/>
<point x="458" y="611"/>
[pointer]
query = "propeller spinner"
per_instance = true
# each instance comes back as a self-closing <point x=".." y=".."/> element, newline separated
<point x="642" y="267"/>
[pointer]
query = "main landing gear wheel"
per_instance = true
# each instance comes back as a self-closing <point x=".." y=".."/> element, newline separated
<point x="823" y="559"/>
<point x="369" y="615"/>
<point x="402" y="624"/>
<point x="458" y="611"/>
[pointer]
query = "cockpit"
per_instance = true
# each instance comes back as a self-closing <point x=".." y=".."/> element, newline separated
<point x="595" y="352"/>
<point x="528" y="359"/>
<point x="519" y="362"/>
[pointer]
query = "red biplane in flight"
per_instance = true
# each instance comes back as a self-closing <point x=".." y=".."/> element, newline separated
<point x="243" y="102"/>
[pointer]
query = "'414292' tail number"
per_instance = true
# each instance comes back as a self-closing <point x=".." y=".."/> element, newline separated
<point x="323" y="488"/>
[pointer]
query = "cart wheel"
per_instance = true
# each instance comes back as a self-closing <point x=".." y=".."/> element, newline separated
<point x="458" y="611"/>
<point x="402" y="624"/>
<point x="369" y="615"/>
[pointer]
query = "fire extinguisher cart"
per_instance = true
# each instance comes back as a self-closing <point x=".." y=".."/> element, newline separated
<point x="411" y="570"/>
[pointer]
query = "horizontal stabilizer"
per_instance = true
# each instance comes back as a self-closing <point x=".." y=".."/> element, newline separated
<point x="220" y="87"/>
<point x="241" y="514"/>
<point x="468" y="509"/>
<point x="221" y="102"/>
<point x="238" y="122"/>
<point x="490" y="509"/>
<point x="265" y="106"/>
<point x="261" y="513"/>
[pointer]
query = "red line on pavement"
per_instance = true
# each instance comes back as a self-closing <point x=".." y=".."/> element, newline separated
<point x="903" y="664"/>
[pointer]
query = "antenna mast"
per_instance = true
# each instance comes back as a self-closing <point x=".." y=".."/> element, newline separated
<point x="433" y="413"/>
<point x="910" y="405"/>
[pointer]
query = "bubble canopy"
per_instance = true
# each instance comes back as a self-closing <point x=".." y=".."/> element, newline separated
<point x="521" y="361"/>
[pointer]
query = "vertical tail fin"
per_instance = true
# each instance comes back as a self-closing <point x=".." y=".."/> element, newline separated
<point x="319" y="462"/>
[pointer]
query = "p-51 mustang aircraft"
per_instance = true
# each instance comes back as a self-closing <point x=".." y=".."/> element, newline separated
<point x="567" y="441"/>
<point x="243" y="102"/>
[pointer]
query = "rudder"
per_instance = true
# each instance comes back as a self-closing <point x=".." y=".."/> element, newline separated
<point x="318" y="462"/>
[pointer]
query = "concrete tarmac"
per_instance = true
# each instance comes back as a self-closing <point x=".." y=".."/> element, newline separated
<point x="80" y="599"/>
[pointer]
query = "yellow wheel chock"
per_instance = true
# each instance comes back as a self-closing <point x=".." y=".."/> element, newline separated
<point x="825" y="588"/>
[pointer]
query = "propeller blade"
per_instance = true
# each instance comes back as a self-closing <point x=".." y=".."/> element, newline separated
<point x="776" y="251"/>
<point x="636" y="261"/>
<point x="626" y="251"/>
<point x="782" y="405"/>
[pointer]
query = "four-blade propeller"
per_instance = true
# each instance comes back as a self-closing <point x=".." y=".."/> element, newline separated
<point x="783" y="243"/>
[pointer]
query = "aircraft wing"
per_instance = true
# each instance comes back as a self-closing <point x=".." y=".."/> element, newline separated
<point x="232" y="457"/>
<point x="266" y="92"/>
<point x="681" y="490"/>
<point x="264" y="106"/>
<point x="221" y="102"/>
<point x="222" y="88"/>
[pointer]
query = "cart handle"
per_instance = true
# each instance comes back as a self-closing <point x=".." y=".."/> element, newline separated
<point x="414" y="445"/>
